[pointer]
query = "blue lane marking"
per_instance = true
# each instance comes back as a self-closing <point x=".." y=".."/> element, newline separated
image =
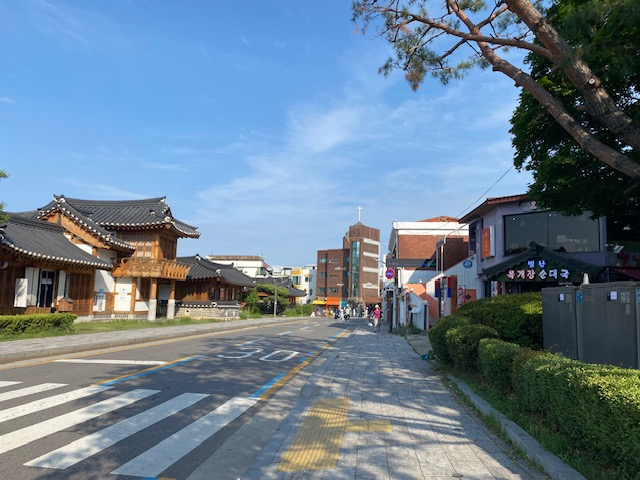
<point x="154" y="370"/>
<point x="267" y="386"/>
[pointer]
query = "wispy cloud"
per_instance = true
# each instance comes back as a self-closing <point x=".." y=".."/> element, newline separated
<point x="7" y="100"/>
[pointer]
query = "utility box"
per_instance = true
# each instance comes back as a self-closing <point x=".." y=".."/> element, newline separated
<point x="559" y="320"/>
<point x="608" y="323"/>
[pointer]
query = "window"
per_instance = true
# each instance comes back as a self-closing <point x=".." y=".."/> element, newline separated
<point x="322" y="274"/>
<point x="323" y="260"/>
<point x="551" y="230"/>
<point x="623" y="234"/>
<point x="333" y="290"/>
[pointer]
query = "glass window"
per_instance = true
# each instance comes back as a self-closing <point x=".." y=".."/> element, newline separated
<point x="623" y="234"/>
<point x="573" y="234"/>
<point x="551" y="230"/>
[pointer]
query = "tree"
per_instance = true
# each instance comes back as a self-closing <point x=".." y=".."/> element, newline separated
<point x="265" y="303"/>
<point x="486" y="28"/>
<point x="566" y="178"/>
<point x="3" y="216"/>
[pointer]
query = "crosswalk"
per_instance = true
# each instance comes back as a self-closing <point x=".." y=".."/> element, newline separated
<point x="148" y="464"/>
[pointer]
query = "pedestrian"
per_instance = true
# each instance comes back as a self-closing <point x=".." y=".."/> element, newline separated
<point x="376" y="318"/>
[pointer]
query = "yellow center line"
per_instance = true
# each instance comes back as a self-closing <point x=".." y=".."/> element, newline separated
<point x="267" y="393"/>
<point x="150" y="369"/>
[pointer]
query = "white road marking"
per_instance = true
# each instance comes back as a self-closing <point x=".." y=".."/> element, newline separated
<point x="44" y="403"/>
<point x="304" y="328"/>
<point x="87" y="446"/>
<point x="111" y="362"/>
<point x="285" y="333"/>
<point x="7" y="383"/>
<point x="23" y="392"/>
<point x="156" y="460"/>
<point x="19" y="438"/>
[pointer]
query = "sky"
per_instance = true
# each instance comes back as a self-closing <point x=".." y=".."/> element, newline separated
<point x="264" y="124"/>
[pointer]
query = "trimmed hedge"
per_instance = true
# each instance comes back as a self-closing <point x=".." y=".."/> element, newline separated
<point x="517" y="318"/>
<point x="462" y="343"/>
<point x="45" y="322"/>
<point x="595" y="407"/>
<point x="438" y="332"/>
<point x="495" y="361"/>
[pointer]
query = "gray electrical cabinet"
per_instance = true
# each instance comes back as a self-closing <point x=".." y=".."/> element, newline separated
<point x="608" y="323"/>
<point x="559" y="320"/>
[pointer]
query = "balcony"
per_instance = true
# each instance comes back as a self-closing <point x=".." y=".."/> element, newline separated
<point x="151" y="267"/>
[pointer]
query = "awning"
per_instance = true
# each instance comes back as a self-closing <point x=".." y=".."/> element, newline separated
<point x="539" y="264"/>
<point x="318" y="302"/>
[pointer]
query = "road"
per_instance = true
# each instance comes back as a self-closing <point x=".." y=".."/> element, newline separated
<point x="170" y="410"/>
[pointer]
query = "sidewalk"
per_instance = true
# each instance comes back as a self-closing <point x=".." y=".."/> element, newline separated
<point x="370" y="407"/>
<point x="374" y="409"/>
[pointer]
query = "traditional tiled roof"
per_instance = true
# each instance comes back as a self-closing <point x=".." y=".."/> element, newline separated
<point x="45" y="242"/>
<point x="283" y="282"/>
<point x="203" y="269"/>
<point x="103" y="216"/>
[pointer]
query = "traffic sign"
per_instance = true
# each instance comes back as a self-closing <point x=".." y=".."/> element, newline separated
<point x="389" y="274"/>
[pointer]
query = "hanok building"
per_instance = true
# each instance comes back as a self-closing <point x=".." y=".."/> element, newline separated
<point x="139" y="238"/>
<point x="211" y="290"/>
<point x="42" y="270"/>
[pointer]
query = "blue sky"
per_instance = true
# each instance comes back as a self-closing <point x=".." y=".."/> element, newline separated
<point x="265" y="124"/>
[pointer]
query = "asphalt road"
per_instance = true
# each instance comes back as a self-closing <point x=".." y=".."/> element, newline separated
<point x="163" y="410"/>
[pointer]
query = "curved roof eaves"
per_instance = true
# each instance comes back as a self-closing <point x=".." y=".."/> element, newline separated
<point x="44" y="241"/>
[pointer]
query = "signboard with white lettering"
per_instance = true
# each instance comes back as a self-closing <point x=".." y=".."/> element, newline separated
<point x="539" y="270"/>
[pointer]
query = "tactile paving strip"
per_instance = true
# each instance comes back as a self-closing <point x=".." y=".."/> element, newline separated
<point x="319" y="440"/>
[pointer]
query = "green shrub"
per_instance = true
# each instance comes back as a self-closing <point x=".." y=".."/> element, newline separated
<point x="438" y="332"/>
<point x="40" y="323"/>
<point x="595" y="407"/>
<point x="517" y="318"/>
<point x="462" y="344"/>
<point x="495" y="360"/>
<point x="299" y="311"/>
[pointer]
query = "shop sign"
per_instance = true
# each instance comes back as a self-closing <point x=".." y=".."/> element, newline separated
<point x="539" y="271"/>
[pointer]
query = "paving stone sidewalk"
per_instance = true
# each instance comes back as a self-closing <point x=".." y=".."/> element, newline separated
<point x="431" y="436"/>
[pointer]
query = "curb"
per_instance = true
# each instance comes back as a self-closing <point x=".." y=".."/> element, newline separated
<point x="124" y="338"/>
<point x="550" y="464"/>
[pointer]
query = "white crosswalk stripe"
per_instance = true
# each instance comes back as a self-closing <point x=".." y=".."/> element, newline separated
<point x="19" y="438"/>
<point x="23" y="392"/>
<point x="166" y="453"/>
<point x="149" y="464"/>
<point x="7" y="383"/>
<point x="49" y="402"/>
<point x="91" y="444"/>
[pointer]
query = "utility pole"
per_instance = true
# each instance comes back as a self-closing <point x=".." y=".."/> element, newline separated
<point x="275" y="299"/>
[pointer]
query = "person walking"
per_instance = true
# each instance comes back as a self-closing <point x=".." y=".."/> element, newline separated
<point x="376" y="318"/>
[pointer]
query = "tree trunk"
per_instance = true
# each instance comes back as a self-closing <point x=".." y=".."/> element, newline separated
<point x="599" y="103"/>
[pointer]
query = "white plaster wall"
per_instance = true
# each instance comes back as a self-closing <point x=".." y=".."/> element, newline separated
<point x="122" y="301"/>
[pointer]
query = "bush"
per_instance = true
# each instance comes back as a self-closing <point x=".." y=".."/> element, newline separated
<point x="495" y="360"/>
<point x="438" y="332"/>
<point x="299" y="311"/>
<point x="595" y="407"/>
<point x="40" y="323"/>
<point x="462" y="344"/>
<point x="517" y="318"/>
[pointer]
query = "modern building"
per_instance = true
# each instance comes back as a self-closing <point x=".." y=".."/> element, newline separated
<point x="350" y="275"/>
<point x="304" y="278"/>
<point x="521" y="247"/>
<point x="419" y="253"/>
<point x="253" y="266"/>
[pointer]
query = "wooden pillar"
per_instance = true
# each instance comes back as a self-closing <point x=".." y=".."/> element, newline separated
<point x="171" y="304"/>
<point x="134" y="290"/>
<point x="153" y="300"/>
